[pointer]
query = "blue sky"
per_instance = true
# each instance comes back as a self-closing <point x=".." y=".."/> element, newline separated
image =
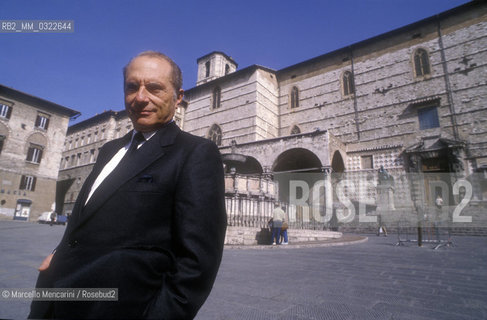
<point x="82" y="70"/>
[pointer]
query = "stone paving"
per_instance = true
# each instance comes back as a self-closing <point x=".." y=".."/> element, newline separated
<point x="23" y="245"/>
<point x="368" y="280"/>
<point x="362" y="280"/>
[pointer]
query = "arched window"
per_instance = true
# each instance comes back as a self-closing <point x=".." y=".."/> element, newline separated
<point x="227" y="69"/>
<point x="348" y="83"/>
<point x="295" y="130"/>
<point x="216" y="98"/>
<point x="215" y="134"/>
<point x="294" y="97"/>
<point x="421" y="63"/>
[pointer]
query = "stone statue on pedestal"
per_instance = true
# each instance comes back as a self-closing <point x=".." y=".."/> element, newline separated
<point x="385" y="197"/>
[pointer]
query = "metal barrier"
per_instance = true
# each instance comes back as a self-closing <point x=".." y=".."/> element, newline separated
<point x="437" y="233"/>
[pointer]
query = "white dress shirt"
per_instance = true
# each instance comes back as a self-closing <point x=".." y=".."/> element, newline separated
<point x="112" y="164"/>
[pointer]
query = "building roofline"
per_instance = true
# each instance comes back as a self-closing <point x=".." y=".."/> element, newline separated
<point x="382" y="36"/>
<point x="33" y="100"/>
<point x="249" y="69"/>
<point x="345" y="49"/>
<point x="97" y="118"/>
<point x="218" y="52"/>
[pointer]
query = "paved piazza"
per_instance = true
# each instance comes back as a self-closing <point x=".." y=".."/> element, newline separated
<point x="368" y="280"/>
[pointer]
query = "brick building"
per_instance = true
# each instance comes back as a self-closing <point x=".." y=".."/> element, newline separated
<point x="32" y="134"/>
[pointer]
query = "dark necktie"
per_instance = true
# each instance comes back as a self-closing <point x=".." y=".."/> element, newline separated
<point x="137" y="139"/>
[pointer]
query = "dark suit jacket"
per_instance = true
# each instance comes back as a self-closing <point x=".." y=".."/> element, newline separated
<point x="154" y="229"/>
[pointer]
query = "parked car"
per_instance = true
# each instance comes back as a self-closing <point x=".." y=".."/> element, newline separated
<point x="45" y="217"/>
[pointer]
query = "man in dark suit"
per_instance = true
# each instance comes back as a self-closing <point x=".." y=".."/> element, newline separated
<point x="150" y="219"/>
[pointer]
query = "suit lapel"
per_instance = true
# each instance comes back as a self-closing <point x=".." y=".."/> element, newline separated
<point x="150" y="151"/>
<point x="102" y="160"/>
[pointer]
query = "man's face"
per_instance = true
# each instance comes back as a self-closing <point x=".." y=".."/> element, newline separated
<point x="150" y="99"/>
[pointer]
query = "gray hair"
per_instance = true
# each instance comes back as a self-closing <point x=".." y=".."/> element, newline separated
<point x="176" y="74"/>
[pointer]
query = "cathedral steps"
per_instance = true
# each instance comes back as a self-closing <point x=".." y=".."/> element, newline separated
<point x="254" y="236"/>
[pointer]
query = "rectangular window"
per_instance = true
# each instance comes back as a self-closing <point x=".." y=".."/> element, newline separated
<point x="294" y="97"/>
<point x="5" y="111"/>
<point x="92" y="155"/>
<point x="216" y="98"/>
<point x="2" y="139"/>
<point x="367" y="162"/>
<point x="207" y="69"/>
<point x="42" y="122"/>
<point x="28" y="183"/>
<point x="348" y="83"/>
<point x="428" y="118"/>
<point x="34" y="154"/>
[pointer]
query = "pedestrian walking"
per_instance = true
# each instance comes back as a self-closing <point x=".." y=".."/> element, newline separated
<point x="52" y="218"/>
<point x="277" y="219"/>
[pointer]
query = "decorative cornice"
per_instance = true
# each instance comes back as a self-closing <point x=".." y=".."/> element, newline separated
<point x="289" y="137"/>
<point x="384" y="147"/>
